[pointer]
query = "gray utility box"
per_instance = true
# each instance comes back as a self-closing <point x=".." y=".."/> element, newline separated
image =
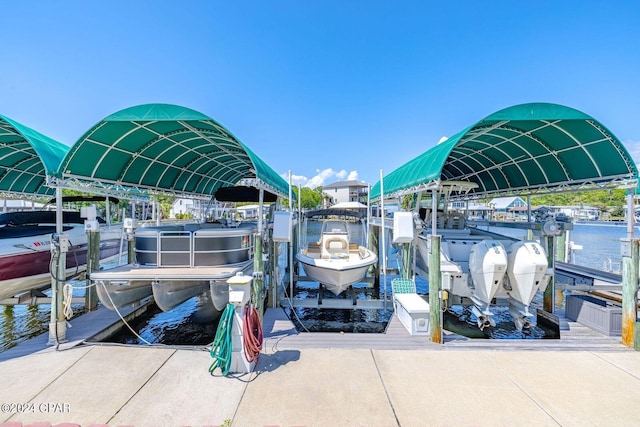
<point x="596" y="313"/>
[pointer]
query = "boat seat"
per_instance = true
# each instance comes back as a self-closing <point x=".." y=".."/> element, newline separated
<point x="353" y="248"/>
<point x="455" y="221"/>
<point x="313" y="247"/>
<point x="335" y="243"/>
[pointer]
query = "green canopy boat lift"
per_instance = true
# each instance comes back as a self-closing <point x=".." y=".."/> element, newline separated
<point x="525" y="149"/>
<point x="137" y="153"/>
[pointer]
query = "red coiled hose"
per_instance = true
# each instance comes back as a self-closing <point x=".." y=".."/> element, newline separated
<point x="252" y="337"/>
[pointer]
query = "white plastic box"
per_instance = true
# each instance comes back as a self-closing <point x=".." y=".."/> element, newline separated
<point x="413" y="312"/>
<point x="403" y="227"/>
<point x="281" y="227"/>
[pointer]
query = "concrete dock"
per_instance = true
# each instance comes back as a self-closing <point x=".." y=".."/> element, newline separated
<point x="325" y="384"/>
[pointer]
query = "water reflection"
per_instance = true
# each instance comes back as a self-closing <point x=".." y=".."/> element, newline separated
<point x="193" y="322"/>
<point x="18" y="323"/>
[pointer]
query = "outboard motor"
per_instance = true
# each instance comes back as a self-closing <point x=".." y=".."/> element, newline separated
<point x="527" y="273"/>
<point x="487" y="266"/>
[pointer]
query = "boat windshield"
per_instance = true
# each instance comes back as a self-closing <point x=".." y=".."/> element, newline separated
<point x="334" y="227"/>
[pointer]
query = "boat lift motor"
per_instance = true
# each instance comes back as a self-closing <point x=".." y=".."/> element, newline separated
<point x="239" y="296"/>
<point x="90" y="215"/>
<point x="129" y="226"/>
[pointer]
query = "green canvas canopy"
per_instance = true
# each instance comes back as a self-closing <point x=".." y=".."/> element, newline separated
<point x="524" y="149"/>
<point x="26" y="158"/>
<point x="165" y="148"/>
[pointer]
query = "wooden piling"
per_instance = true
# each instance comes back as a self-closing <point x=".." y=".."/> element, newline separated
<point x="274" y="275"/>
<point x="629" y="292"/>
<point x="374" y="239"/>
<point x="549" y="292"/>
<point x="93" y="264"/>
<point x="561" y="247"/>
<point x="131" y="249"/>
<point x="407" y="262"/>
<point x="434" y="290"/>
<point x="258" y="280"/>
<point x="58" y="324"/>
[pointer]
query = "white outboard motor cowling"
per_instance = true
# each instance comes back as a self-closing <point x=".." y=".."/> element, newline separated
<point x="487" y="266"/>
<point x="527" y="270"/>
<point x="527" y="273"/>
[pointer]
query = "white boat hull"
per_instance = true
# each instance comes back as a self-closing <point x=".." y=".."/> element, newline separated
<point x="25" y="261"/>
<point x="337" y="274"/>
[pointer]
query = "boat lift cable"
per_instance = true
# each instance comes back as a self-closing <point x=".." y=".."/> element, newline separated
<point x="222" y="346"/>
<point x="124" y="321"/>
<point x="293" y="310"/>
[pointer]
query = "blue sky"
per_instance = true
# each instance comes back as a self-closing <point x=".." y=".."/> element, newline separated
<point x="330" y="90"/>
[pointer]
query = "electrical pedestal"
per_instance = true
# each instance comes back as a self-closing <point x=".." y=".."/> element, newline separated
<point x="239" y="296"/>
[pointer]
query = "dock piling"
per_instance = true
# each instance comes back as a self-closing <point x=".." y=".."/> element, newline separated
<point x="630" y="293"/>
<point x="434" y="289"/>
<point x="93" y="255"/>
<point x="549" y="292"/>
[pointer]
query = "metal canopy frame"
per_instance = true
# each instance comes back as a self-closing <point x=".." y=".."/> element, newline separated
<point x="26" y="158"/>
<point x="525" y="149"/>
<point x="162" y="149"/>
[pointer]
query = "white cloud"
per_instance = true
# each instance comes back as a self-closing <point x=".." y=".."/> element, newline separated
<point x="633" y="147"/>
<point x="296" y="180"/>
<point x="321" y="178"/>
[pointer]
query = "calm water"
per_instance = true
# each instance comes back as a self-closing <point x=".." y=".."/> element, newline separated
<point x="600" y="243"/>
<point x="191" y="323"/>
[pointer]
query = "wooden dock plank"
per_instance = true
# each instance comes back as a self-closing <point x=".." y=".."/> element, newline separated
<point x="280" y="333"/>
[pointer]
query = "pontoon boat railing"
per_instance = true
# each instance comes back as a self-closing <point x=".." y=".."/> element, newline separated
<point x="199" y="248"/>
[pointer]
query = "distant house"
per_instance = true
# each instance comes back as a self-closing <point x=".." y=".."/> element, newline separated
<point x="473" y="209"/>
<point x="248" y="211"/>
<point x="508" y="208"/>
<point x="186" y="207"/>
<point x="499" y="208"/>
<point x="345" y="191"/>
